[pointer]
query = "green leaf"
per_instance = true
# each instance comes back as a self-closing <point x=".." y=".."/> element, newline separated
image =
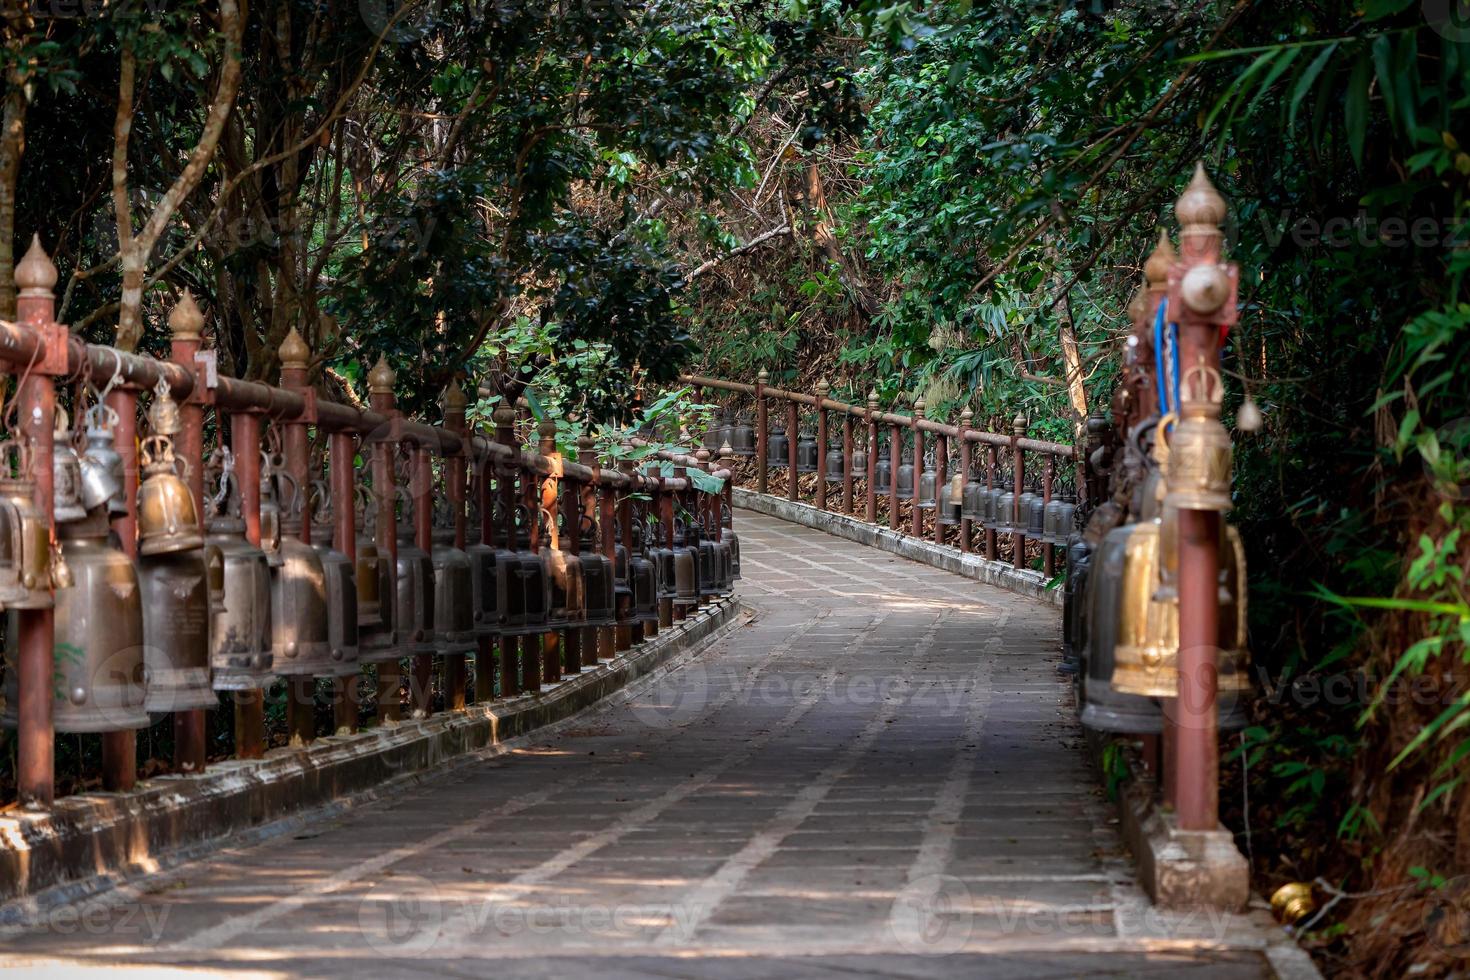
<point x="1305" y="81"/>
<point x="1355" y="108"/>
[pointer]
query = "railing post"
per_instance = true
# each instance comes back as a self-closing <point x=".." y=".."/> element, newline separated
<point x="966" y="417"/>
<point x="992" y="542"/>
<point x="343" y="447"/>
<point x="295" y="356"/>
<point x="1018" y="536"/>
<point x="421" y="691"/>
<point x="120" y="749"/>
<point x="485" y="668"/>
<point x="871" y="503"/>
<point x="847" y="463"/>
<point x="245" y="443"/>
<point x="543" y="658"/>
<point x="453" y="403"/>
<point x="941" y="474"/>
<point x="917" y="523"/>
<point x="895" y="457"/>
<point x="504" y="418"/>
<point x="35" y="777"/>
<point x="822" y="389"/>
<point x="1202" y="300"/>
<point x="793" y="437"/>
<point x="1048" y="553"/>
<point x="381" y="381"/>
<point x="762" y="430"/>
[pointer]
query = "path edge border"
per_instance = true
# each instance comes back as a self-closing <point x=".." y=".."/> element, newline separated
<point x="92" y="843"/>
<point x="999" y="574"/>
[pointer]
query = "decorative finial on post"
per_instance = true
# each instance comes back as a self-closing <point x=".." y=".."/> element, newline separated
<point x="381" y="378"/>
<point x="1018" y="425"/>
<point x="1201" y="211"/>
<point x="453" y="401"/>
<point x="763" y="376"/>
<point x="185" y="320"/>
<point x="966" y="417"/>
<point x="919" y="408"/>
<point x="35" y="274"/>
<point x="504" y="416"/>
<point x="873" y="400"/>
<point x="1160" y="260"/>
<point x="822" y="389"/>
<point x="293" y="351"/>
<point x="546" y="428"/>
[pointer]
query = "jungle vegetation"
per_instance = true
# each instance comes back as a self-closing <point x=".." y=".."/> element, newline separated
<point x="937" y="199"/>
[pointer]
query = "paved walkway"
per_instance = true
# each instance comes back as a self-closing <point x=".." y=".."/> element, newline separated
<point x="879" y="767"/>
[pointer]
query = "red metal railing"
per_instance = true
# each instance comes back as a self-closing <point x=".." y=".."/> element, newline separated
<point x="47" y="358"/>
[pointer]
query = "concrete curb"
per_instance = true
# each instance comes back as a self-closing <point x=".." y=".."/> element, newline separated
<point x="92" y="842"/>
<point x="1021" y="581"/>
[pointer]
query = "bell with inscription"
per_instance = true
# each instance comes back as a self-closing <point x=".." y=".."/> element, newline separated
<point x="99" y="647"/>
<point x="377" y="641"/>
<point x="301" y="641"/>
<point x="417" y="592"/>
<point x="566" y="575"/>
<point x="168" y="520"/>
<point x="1200" y="453"/>
<point x="340" y="575"/>
<point x="454" y="607"/>
<point x="778" y="447"/>
<point x="176" y="630"/>
<point x="523" y="595"/>
<point x="882" y="472"/>
<point x="598" y="578"/>
<point x="484" y="570"/>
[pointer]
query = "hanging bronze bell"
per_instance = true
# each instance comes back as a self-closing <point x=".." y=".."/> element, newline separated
<point x="66" y="474"/>
<point x="928" y="480"/>
<point x="1005" y="511"/>
<point x="416" y="595"/>
<point x="598" y="578"/>
<point x="168" y="521"/>
<point x="1061" y="512"/>
<point x="806" y="453"/>
<point x="883" y="473"/>
<point x="99" y="637"/>
<point x="524" y="596"/>
<point x="340" y="575"/>
<point x="778" y="448"/>
<point x="25" y="539"/>
<point x="742" y="438"/>
<point x="1036" y="516"/>
<point x="972" y="501"/>
<point x="100" y="463"/>
<point x="176" y="630"/>
<point x="566" y="576"/>
<point x="710" y="576"/>
<point x="859" y="464"/>
<point x="905" y="480"/>
<point x="454" y="603"/>
<point x="990" y="507"/>
<point x="1199" y="451"/>
<point x="1147" y="658"/>
<point x="377" y="640"/>
<point x="301" y="640"/>
<point x="240" y="638"/>
<point x="951" y="500"/>
<point x="643" y="574"/>
<point x="1074" y="590"/>
<point x="734" y="539"/>
<point x="1023" y="510"/>
<point x="484" y="569"/>
<point x="1118" y="560"/>
<point x="836" y="463"/>
<point x="686" y="570"/>
<point x="622" y="578"/>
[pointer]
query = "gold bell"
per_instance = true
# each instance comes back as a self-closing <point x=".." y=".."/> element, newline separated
<point x="1200" y="451"/>
<point x="1146" y="659"/>
<point x="25" y="540"/>
<point x="168" y="519"/>
<point x="1293" y="902"/>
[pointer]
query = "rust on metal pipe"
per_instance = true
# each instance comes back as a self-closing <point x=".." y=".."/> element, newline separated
<point x="185" y="322"/>
<point x="792" y="422"/>
<point x="822" y="389"/>
<point x="762" y="432"/>
<point x="966" y="526"/>
<point x="422" y="466"/>
<point x="381" y="380"/>
<point x="120" y="749"/>
<point x="343" y="448"/>
<point x="916" y="524"/>
<point x="249" y="705"/>
<point x="871" y="502"/>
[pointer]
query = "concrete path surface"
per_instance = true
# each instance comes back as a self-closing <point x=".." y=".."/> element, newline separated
<point x="876" y="773"/>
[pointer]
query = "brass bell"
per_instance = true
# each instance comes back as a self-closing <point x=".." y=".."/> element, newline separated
<point x="25" y="539"/>
<point x="176" y="630"/>
<point x="778" y="447"/>
<point x="664" y="561"/>
<point x="729" y="535"/>
<point x="1004" y="517"/>
<point x="708" y="557"/>
<point x="806" y="453"/>
<point x="454" y="611"/>
<point x="1293" y="902"/>
<point x="240" y="639"/>
<point x="598" y="578"/>
<point x="928" y="480"/>
<point x="972" y="501"/>
<point x="66" y="474"/>
<point x="1036" y="516"/>
<point x="377" y="639"/>
<point x="742" y="438"/>
<point x="99" y="637"/>
<point x="1022" y="521"/>
<point x="951" y="500"/>
<point x="686" y="570"/>
<point x="1060" y="514"/>
<point x="1200" y="451"/>
<point x="1074" y="590"/>
<point x="167" y="518"/>
<point x="484" y="569"/>
<point x="1147" y="657"/>
<point x="301" y="640"/>
<point x="100" y="463"/>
